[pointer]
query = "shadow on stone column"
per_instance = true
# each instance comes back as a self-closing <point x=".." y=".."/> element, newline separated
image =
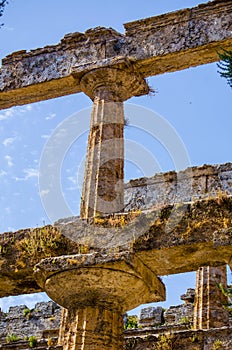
<point x="96" y="290"/>
<point x="210" y="302"/>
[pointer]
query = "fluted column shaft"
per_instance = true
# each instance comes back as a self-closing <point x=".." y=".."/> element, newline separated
<point x="103" y="189"/>
<point x="96" y="323"/>
<point x="209" y="299"/>
<point x="91" y="328"/>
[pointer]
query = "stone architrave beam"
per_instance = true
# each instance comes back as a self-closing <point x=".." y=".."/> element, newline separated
<point x="151" y="46"/>
<point x="202" y="237"/>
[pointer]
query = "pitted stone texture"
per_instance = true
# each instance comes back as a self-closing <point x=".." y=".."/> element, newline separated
<point x="91" y="328"/>
<point x="192" y="184"/>
<point x="210" y="301"/>
<point x="43" y="316"/>
<point x="179" y="314"/>
<point x="152" y="46"/>
<point x="182" y="339"/>
<point x="112" y="84"/>
<point x="99" y="279"/>
<point x="150" y="316"/>
<point x="94" y="289"/>
<point x="189" y="296"/>
<point x="103" y="187"/>
<point x="202" y="237"/>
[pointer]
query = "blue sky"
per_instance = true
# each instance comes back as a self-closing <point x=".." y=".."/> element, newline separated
<point x="196" y="102"/>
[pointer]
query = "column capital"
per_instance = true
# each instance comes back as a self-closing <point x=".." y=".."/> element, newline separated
<point x="113" y="84"/>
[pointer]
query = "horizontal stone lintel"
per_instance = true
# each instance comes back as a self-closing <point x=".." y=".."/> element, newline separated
<point x="201" y="234"/>
<point x="152" y="46"/>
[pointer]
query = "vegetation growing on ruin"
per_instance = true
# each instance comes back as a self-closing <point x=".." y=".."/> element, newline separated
<point x="225" y="65"/>
<point x="131" y="322"/>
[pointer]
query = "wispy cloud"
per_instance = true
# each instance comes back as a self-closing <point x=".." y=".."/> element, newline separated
<point x="51" y="116"/>
<point x="29" y="173"/>
<point x="45" y="136"/>
<point x="14" y="111"/>
<point x="3" y="173"/>
<point x="7" y="114"/>
<point x="43" y="193"/>
<point x="8" y="141"/>
<point x="9" y="160"/>
<point x="72" y="179"/>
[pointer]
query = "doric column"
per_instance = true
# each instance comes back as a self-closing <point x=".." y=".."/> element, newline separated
<point x="96" y="290"/>
<point x="91" y="328"/>
<point x="103" y="188"/>
<point x="209" y="299"/>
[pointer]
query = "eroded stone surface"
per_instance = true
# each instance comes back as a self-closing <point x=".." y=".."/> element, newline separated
<point x="206" y="181"/>
<point x="150" y="316"/>
<point x="94" y="290"/>
<point x="23" y="322"/>
<point x="99" y="279"/>
<point x="152" y="46"/>
<point x="168" y="239"/>
<point x="210" y="302"/>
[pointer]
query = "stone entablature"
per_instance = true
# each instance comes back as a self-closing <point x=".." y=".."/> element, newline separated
<point x="152" y="46"/>
<point x="184" y="249"/>
<point x="192" y="184"/>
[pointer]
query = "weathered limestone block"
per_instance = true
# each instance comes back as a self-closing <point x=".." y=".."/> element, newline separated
<point x="185" y="339"/>
<point x="150" y="316"/>
<point x="24" y="323"/>
<point x="189" y="296"/>
<point x="180" y="314"/>
<point x="200" y="236"/>
<point x="207" y="181"/>
<point x="151" y="46"/>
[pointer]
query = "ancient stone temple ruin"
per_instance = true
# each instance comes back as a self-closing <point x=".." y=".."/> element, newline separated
<point x="183" y="222"/>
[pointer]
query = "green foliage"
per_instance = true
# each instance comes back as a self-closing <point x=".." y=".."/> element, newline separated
<point x="10" y="338"/>
<point x="225" y="65"/>
<point x="194" y="338"/>
<point x="27" y="313"/>
<point x="184" y="320"/>
<point x="2" y="7"/>
<point x="132" y="322"/>
<point x="32" y="341"/>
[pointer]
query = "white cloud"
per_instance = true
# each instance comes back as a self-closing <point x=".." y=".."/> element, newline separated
<point x="45" y="136"/>
<point x="25" y="109"/>
<point x="44" y="192"/>
<point x="51" y="116"/>
<point x="28" y="107"/>
<point x="8" y="141"/>
<point x="29" y="173"/>
<point x="72" y="179"/>
<point x="7" y="114"/>
<point x="3" y="173"/>
<point x="9" y="160"/>
<point x="14" y="111"/>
